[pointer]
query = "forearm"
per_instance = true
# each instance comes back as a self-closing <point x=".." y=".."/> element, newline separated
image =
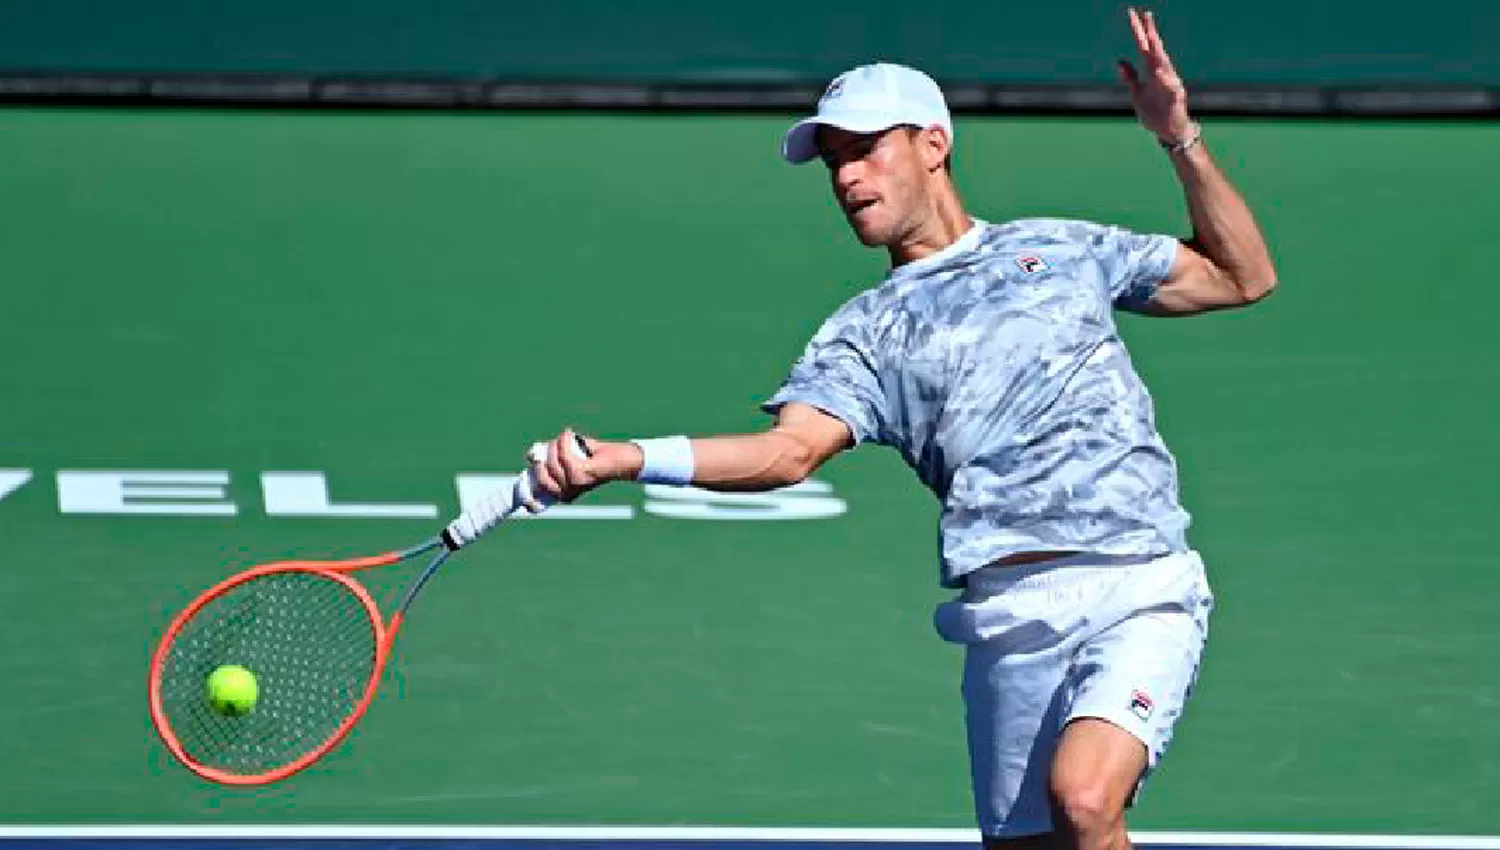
<point x="736" y="463"/>
<point x="802" y="439"/>
<point x="1224" y="229"/>
<point x="750" y="462"/>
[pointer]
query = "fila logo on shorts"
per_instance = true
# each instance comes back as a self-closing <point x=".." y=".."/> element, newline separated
<point x="1032" y="264"/>
<point x="1141" y="705"/>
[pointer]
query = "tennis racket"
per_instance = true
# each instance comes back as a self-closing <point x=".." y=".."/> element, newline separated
<point x="314" y="639"/>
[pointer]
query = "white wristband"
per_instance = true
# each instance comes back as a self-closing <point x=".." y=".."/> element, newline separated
<point x="666" y="460"/>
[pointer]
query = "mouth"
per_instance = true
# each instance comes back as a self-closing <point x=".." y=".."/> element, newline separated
<point x="854" y="208"/>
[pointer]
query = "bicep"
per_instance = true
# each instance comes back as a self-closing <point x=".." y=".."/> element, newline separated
<point x="834" y="379"/>
<point x="1194" y="284"/>
<point x="821" y="434"/>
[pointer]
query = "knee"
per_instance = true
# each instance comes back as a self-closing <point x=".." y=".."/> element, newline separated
<point x="1086" y="804"/>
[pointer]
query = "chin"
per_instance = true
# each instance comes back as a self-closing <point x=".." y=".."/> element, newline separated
<point x="870" y="237"/>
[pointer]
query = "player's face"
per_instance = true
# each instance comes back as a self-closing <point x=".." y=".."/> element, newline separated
<point x="878" y="180"/>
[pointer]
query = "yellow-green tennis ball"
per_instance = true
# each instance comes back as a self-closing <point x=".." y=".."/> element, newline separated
<point x="232" y="690"/>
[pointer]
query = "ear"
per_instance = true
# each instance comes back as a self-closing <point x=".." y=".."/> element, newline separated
<point x="934" y="145"/>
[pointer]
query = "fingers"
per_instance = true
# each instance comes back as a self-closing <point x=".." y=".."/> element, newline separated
<point x="566" y="451"/>
<point x="1158" y="49"/>
<point x="555" y="466"/>
<point x="544" y="477"/>
<point x="1148" y="39"/>
<point x="1156" y="90"/>
<point x="1138" y="29"/>
<point x="562" y="471"/>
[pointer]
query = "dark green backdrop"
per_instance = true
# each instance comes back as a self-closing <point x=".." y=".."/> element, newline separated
<point x="395" y="298"/>
<point x="1276" y="41"/>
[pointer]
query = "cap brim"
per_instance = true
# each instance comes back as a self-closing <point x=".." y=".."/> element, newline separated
<point x="801" y="142"/>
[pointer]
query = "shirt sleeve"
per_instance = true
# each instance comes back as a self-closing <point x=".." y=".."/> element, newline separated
<point x="1133" y="264"/>
<point x="836" y="374"/>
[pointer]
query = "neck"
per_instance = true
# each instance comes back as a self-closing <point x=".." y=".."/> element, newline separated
<point x="944" y="222"/>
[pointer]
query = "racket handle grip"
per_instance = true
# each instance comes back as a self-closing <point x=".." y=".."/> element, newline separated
<point x="499" y="505"/>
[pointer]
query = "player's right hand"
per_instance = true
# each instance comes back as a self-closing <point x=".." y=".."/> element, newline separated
<point x="567" y="473"/>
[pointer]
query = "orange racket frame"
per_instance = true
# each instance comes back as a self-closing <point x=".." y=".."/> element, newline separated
<point x="338" y="571"/>
<point x="468" y="527"/>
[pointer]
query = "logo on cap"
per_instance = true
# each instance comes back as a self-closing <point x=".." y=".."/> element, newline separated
<point x="835" y="87"/>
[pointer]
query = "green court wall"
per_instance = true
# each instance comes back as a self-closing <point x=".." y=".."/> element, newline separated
<point x="1071" y="41"/>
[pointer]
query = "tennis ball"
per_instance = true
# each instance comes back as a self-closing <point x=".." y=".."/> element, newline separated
<point x="232" y="690"/>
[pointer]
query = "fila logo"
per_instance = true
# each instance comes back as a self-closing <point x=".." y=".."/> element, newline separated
<point x="1141" y="705"/>
<point x="1032" y="264"/>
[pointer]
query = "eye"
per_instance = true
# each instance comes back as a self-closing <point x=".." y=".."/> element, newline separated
<point x="854" y="151"/>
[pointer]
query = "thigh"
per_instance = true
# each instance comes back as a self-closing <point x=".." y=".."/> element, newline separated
<point x="1137" y="674"/>
<point x="1013" y="707"/>
<point x="1023" y="636"/>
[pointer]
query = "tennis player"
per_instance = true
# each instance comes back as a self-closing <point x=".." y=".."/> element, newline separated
<point x="989" y="358"/>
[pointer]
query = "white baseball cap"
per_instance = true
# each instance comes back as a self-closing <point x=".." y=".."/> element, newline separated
<point x="869" y="99"/>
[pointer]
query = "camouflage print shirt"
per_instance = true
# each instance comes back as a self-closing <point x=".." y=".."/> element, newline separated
<point x="995" y="368"/>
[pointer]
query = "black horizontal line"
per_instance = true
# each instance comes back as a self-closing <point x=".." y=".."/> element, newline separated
<point x="277" y="91"/>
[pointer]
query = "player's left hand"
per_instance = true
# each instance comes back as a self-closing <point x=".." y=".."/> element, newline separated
<point x="1157" y="93"/>
<point x="567" y="474"/>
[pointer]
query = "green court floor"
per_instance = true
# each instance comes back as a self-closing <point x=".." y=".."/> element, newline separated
<point x="394" y="300"/>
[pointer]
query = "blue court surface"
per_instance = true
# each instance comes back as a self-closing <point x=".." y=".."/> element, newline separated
<point x="650" y="838"/>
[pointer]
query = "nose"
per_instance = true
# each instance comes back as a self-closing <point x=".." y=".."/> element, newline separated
<point x="846" y="175"/>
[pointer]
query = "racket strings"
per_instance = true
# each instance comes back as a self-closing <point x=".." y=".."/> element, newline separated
<point x="310" y="644"/>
